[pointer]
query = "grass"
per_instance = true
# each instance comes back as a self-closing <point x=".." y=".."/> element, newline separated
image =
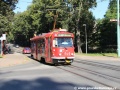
<point x="0" y="56"/>
<point x="98" y="54"/>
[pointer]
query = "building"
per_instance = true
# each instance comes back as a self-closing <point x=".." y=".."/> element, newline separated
<point x="2" y="39"/>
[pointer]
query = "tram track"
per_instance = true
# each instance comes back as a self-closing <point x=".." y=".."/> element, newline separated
<point x="109" y="77"/>
<point x="98" y="64"/>
<point x="104" y="76"/>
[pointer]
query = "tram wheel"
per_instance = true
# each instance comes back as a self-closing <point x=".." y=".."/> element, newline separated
<point x="55" y="64"/>
<point x="31" y="56"/>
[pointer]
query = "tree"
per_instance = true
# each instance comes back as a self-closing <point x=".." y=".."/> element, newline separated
<point x="6" y="15"/>
<point x="111" y="13"/>
<point x="4" y="24"/>
<point x="39" y="18"/>
<point x="42" y="14"/>
<point x="7" y="7"/>
<point x="0" y="33"/>
<point x="21" y="28"/>
<point x="108" y="30"/>
<point x="81" y="15"/>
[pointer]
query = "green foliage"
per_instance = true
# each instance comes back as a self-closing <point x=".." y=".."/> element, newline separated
<point x="4" y="24"/>
<point x="112" y="10"/>
<point x="40" y="18"/>
<point x="21" y="28"/>
<point x="7" y="7"/>
<point x="108" y="30"/>
<point x="70" y="14"/>
<point x="81" y="15"/>
<point x="6" y="16"/>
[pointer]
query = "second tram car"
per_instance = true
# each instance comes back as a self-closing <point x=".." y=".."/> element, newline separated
<point x="54" y="47"/>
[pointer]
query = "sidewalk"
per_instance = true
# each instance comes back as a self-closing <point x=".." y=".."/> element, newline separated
<point x="13" y="59"/>
<point x="83" y="57"/>
<point x="17" y="59"/>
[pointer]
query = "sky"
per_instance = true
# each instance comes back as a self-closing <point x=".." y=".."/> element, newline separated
<point x="98" y="11"/>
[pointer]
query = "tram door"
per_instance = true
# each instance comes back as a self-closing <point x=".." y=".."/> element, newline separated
<point x="48" y="50"/>
<point x="34" y="50"/>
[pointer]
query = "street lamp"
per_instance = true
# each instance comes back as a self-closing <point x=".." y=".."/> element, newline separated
<point x="118" y="28"/>
<point x="85" y="37"/>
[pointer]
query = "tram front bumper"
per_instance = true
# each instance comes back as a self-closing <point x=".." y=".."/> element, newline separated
<point x="62" y="59"/>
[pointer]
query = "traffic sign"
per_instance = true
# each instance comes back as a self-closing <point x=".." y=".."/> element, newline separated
<point x="113" y="20"/>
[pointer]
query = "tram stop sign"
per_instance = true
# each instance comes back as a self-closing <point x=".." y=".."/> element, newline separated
<point x="113" y="20"/>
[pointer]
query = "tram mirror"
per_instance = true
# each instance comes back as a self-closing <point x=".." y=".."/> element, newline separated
<point x="55" y="45"/>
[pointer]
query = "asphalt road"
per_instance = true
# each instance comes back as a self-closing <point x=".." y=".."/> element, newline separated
<point x="81" y="75"/>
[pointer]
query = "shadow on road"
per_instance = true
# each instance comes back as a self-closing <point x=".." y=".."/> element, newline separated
<point x="43" y="83"/>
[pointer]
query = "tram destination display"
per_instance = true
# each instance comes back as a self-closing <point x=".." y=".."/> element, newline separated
<point x="64" y="35"/>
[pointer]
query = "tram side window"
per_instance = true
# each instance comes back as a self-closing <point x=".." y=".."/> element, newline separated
<point x="39" y="43"/>
<point x="42" y="43"/>
<point x="38" y="46"/>
<point x="32" y="44"/>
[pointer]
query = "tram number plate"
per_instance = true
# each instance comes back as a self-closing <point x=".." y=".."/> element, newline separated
<point x="67" y="61"/>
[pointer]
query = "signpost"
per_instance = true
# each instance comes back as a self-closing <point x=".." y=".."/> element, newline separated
<point x="118" y="28"/>
<point x="113" y="20"/>
<point x="0" y="47"/>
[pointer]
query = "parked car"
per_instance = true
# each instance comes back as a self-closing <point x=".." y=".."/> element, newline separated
<point x="17" y="46"/>
<point x="26" y="50"/>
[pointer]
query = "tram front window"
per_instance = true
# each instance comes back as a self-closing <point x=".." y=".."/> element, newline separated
<point x="63" y="42"/>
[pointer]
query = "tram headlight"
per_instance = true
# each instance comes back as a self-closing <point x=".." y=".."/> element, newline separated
<point x="72" y="54"/>
<point x="60" y="50"/>
<point x="60" y="54"/>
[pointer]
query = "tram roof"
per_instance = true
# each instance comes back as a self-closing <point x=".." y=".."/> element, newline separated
<point x="56" y="31"/>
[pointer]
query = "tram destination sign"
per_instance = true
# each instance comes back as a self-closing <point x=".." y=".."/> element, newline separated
<point x="64" y="35"/>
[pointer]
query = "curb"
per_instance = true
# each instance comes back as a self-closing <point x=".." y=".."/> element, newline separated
<point x="13" y="62"/>
<point x="96" y="57"/>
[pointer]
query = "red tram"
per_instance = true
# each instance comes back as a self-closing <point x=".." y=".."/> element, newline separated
<point x="54" y="47"/>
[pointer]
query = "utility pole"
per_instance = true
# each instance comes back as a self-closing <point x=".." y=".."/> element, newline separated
<point x="0" y="46"/>
<point x="118" y="28"/>
<point x="55" y="18"/>
<point x="85" y="37"/>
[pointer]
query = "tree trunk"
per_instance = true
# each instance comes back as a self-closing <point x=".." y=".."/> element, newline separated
<point x="79" y="42"/>
<point x="78" y="31"/>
